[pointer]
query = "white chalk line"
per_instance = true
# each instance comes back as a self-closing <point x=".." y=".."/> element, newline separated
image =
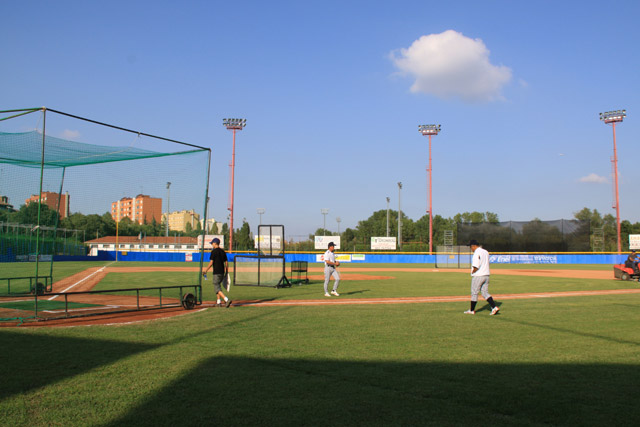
<point x="80" y="281"/>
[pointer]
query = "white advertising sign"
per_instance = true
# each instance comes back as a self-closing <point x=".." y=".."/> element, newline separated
<point x="339" y="257"/>
<point x="266" y="243"/>
<point x="634" y="241"/>
<point x="322" y="242"/>
<point x="207" y="240"/>
<point x="383" y="243"/>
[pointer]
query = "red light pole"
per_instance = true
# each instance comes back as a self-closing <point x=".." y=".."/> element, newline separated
<point x="613" y="117"/>
<point x="233" y="125"/>
<point x="430" y="130"/>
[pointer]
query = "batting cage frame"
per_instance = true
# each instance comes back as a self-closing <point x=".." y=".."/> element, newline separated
<point x="268" y="267"/>
<point x="52" y="157"/>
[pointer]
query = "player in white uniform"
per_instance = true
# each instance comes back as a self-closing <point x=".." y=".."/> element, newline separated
<point x="480" y="278"/>
<point x="330" y="269"/>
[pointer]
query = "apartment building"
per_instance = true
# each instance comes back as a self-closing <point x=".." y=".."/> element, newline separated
<point x="178" y="220"/>
<point x="55" y="201"/>
<point x="140" y="209"/>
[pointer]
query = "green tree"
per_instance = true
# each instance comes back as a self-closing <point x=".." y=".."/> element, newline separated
<point x="28" y="214"/>
<point x="242" y="239"/>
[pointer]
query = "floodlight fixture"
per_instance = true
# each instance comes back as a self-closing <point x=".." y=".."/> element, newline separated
<point x="237" y="124"/>
<point x="338" y="220"/>
<point x="613" y="117"/>
<point x="430" y="130"/>
<point x="233" y="125"/>
<point x="260" y="212"/>
<point x="324" y="212"/>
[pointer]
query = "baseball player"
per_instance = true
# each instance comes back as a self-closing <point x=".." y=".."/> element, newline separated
<point x="480" y="278"/>
<point x="330" y="269"/>
<point x="220" y="271"/>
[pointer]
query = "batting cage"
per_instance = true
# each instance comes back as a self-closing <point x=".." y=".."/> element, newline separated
<point x="267" y="267"/>
<point x="68" y="183"/>
<point x="529" y="236"/>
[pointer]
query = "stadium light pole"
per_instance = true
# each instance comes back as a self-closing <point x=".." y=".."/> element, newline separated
<point x="168" y="197"/>
<point x="430" y="130"/>
<point x="338" y="220"/>
<point x="324" y="212"/>
<point x="613" y="117"/>
<point x="260" y="212"/>
<point x="233" y="125"/>
<point x="399" y="217"/>
<point x="388" y="216"/>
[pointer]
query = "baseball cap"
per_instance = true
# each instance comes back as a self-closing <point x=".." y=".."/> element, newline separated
<point x="215" y="240"/>
<point x="473" y="242"/>
<point x="331" y="244"/>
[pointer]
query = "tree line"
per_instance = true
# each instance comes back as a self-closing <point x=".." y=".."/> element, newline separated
<point x="415" y="234"/>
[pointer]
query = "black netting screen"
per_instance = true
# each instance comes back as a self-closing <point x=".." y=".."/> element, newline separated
<point x="529" y="236"/>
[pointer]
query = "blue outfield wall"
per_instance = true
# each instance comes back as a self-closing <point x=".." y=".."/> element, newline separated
<point x="366" y="258"/>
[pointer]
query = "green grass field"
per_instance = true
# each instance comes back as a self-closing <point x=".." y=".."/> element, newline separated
<point x="549" y="361"/>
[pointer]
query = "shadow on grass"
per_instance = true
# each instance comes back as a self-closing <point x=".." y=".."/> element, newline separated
<point x="30" y="361"/>
<point x="253" y="391"/>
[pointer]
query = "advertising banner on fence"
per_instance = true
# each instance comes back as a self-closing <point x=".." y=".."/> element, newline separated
<point x="321" y="242"/>
<point x="339" y="257"/>
<point x="634" y="241"/>
<point x="207" y="240"/>
<point x="523" y="259"/>
<point x="267" y="242"/>
<point x="383" y="243"/>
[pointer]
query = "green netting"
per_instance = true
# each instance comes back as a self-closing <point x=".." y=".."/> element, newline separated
<point x="25" y="149"/>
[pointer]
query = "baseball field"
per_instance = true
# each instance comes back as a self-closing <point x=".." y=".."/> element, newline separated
<point x="394" y="349"/>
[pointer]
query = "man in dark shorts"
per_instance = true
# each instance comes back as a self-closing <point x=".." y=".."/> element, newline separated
<point x="220" y="271"/>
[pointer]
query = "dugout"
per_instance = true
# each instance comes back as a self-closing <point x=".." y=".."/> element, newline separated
<point x="58" y="170"/>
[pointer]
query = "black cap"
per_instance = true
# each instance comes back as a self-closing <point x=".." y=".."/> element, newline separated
<point x="473" y="242"/>
<point x="331" y="244"/>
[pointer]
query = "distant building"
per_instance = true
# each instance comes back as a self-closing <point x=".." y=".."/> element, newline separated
<point x="55" y="201"/>
<point x="211" y="226"/>
<point x="4" y="204"/>
<point x="143" y="244"/>
<point x="140" y="209"/>
<point x="178" y="220"/>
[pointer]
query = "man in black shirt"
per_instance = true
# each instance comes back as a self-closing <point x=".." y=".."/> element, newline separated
<point x="220" y="270"/>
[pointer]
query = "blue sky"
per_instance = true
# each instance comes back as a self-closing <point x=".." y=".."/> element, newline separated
<point x="333" y="93"/>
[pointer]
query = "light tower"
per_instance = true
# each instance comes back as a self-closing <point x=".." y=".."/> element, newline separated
<point x="430" y="130"/>
<point x="324" y="212"/>
<point x="399" y="216"/>
<point x="338" y="220"/>
<point x="613" y="117"/>
<point x="167" y="219"/>
<point x="260" y="212"/>
<point x="388" y="199"/>
<point x="233" y="125"/>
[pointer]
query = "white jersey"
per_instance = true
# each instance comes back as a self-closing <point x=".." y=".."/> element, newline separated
<point x="481" y="262"/>
<point x="329" y="256"/>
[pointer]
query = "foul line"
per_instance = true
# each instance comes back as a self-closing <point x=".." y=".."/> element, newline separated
<point x="80" y="281"/>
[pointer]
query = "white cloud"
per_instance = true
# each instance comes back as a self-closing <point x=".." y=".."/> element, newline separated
<point x="451" y="65"/>
<point x="594" y="178"/>
<point x="70" y="134"/>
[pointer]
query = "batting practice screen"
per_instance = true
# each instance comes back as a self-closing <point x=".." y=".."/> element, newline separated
<point x="251" y="270"/>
